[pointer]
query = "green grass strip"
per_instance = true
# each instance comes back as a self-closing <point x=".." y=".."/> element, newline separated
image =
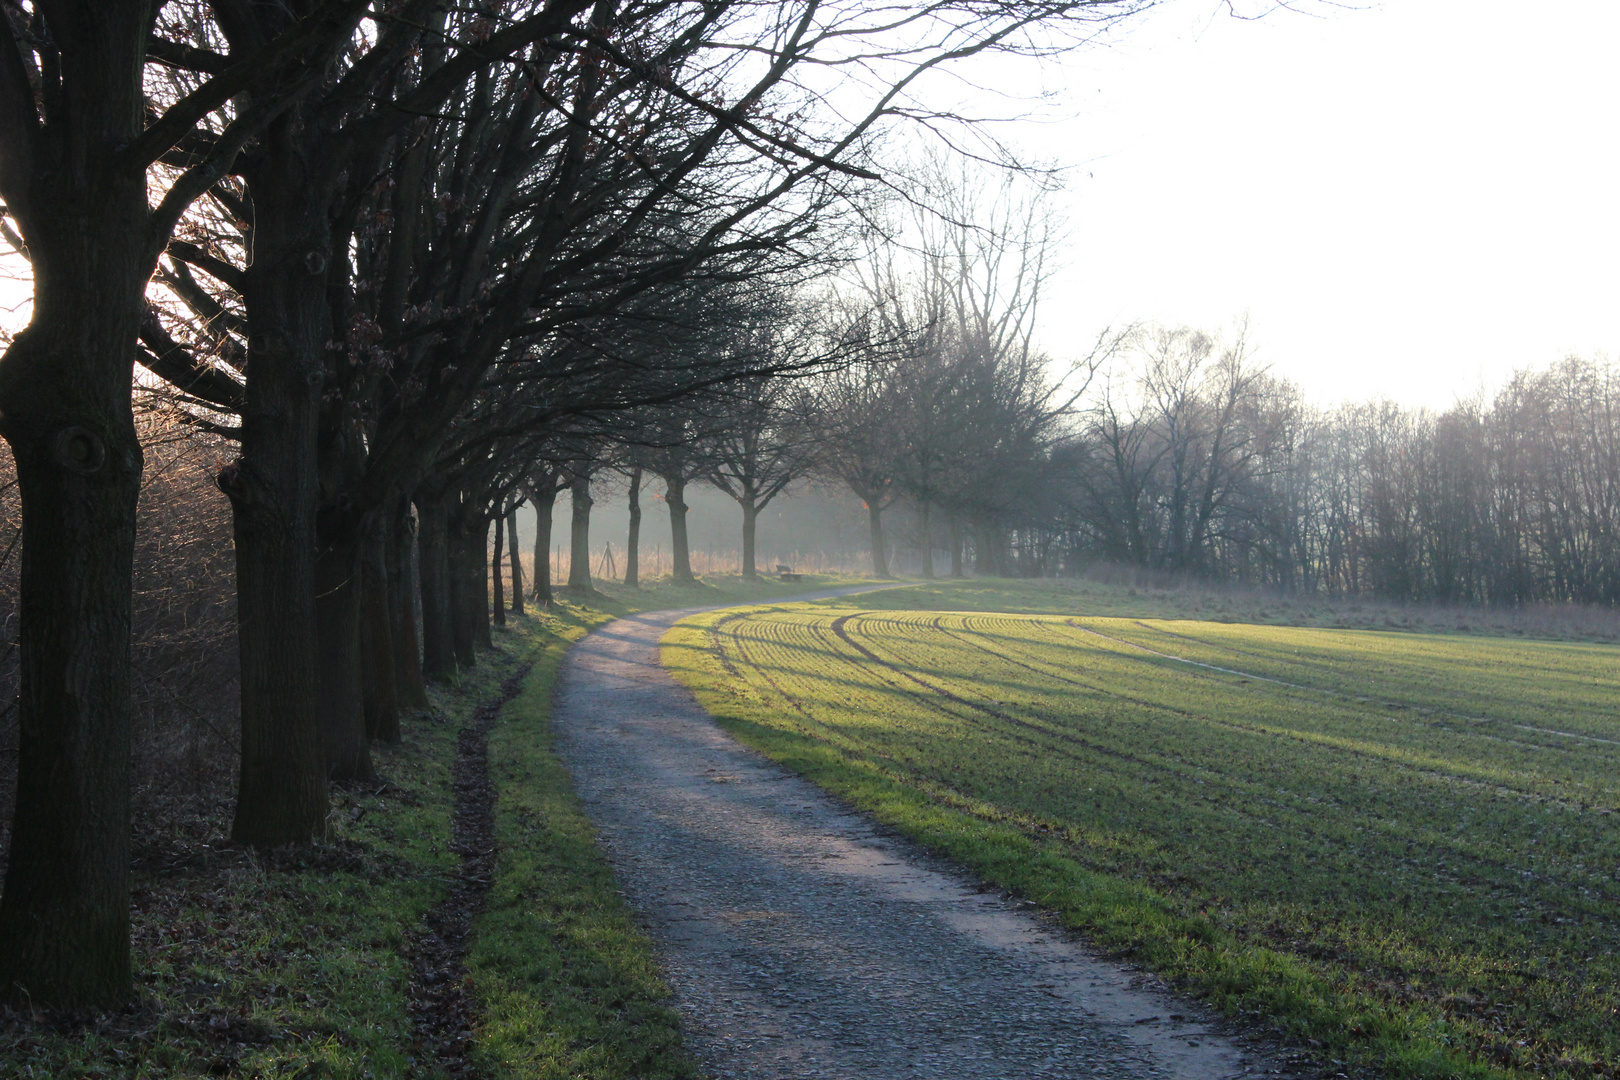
<point x="287" y="965"/>
<point x="291" y="966"/>
<point x="568" y="984"/>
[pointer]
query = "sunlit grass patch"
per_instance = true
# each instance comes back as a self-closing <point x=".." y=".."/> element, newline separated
<point x="1400" y="846"/>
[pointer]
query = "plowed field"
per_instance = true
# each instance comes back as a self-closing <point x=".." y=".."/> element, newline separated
<point x="1402" y="847"/>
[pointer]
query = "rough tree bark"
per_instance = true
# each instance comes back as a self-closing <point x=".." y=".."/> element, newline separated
<point x="926" y="526"/>
<point x="339" y="530"/>
<point x="579" y="536"/>
<point x="517" y="563"/>
<point x="65" y="409"/>
<point x="498" y="568"/>
<point x="438" y="649"/>
<point x="544" y="500"/>
<point x="342" y="702"/>
<point x="750" y="527"/>
<point x="632" y="545"/>
<point x="401" y="540"/>
<point x="680" y="551"/>
<point x="874" y="524"/>
<point x="274" y="487"/>
<point x="381" y="682"/>
<point x="478" y="563"/>
<point x="464" y="588"/>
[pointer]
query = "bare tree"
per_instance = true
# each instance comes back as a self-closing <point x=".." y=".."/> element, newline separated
<point x="855" y="441"/>
<point x="84" y="148"/>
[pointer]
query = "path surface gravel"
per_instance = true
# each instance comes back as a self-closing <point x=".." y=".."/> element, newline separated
<point x="802" y="942"/>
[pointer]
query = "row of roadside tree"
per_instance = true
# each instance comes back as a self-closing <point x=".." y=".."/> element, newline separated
<point x="393" y="255"/>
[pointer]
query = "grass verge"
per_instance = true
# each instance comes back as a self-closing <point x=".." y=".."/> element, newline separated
<point x="285" y="964"/>
<point x="1324" y="861"/>
<point x="290" y="964"/>
<point x="568" y="984"/>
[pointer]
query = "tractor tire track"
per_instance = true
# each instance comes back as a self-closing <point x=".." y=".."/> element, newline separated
<point x="1339" y="695"/>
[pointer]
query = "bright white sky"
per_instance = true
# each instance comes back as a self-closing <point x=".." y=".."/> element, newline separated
<point x="1408" y="199"/>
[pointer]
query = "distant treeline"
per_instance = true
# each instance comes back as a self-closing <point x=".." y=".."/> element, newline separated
<point x="1170" y="449"/>
<point x="1195" y="462"/>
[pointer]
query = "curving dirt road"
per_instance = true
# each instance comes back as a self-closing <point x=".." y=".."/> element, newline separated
<point x="801" y="942"/>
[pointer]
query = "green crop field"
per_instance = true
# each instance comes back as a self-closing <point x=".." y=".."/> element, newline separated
<point x="1399" y="848"/>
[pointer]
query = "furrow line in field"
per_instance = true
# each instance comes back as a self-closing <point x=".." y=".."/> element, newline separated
<point x="934" y="787"/>
<point x="1325" y="664"/>
<point x="1179" y="773"/>
<point x="1393" y="831"/>
<point x="1424" y="764"/>
<point x="1336" y="694"/>
<point x="838" y="628"/>
<point x="828" y="732"/>
<point x="1005" y="654"/>
<point x="744" y="655"/>
<point x="719" y="646"/>
<point x="1298" y="807"/>
<point x="1327" y="742"/>
<point x="1338" y="667"/>
<point x="1440" y="771"/>
<point x="1333" y="742"/>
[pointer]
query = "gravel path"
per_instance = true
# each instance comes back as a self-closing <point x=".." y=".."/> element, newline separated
<point x="801" y="942"/>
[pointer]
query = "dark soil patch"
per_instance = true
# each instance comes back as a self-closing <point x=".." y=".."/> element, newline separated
<point x="441" y="1000"/>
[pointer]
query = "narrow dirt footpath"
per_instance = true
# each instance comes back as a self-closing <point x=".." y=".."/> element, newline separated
<point x="441" y="1001"/>
<point x="800" y="942"/>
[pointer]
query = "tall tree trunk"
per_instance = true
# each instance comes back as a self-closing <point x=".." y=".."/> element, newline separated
<point x="274" y="487"/>
<point x="579" y="536"/>
<point x="750" y="524"/>
<point x="463" y="590"/>
<point x="956" y="546"/>
<point x="984" y="556"/>
<point x="926" y="524"/>
<point x="1000" y="555"/>
<point x="874" y="524"/>
<point x="380" y="682"/>
<point x="517" y="563"/>
<point x="433" y="539"/>
<point x="65" y="381"/>
<point x="341" y="460"/>
<point x="401" y="540"/>
<point x="499" y="567"/>
<point x="680" y="552"/>
<point x="544" y="502"/>
<point x="478" y="550"/>
<point x="64" y="394"/>
<point x="632" y="546"/>
<point x="337" y="611"/>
